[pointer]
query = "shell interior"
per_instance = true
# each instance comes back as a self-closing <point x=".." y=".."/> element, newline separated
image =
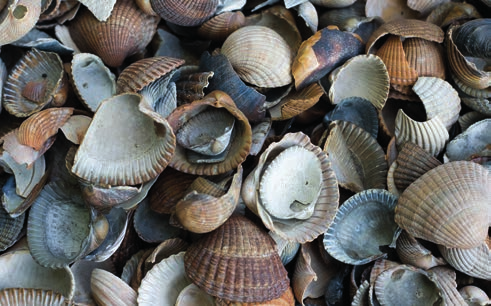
<point x="288" y="191"/>
<point x="27" y="296"/>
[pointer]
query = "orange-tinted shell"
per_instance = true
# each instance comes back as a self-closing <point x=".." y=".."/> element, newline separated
<point x="221" y="26"/>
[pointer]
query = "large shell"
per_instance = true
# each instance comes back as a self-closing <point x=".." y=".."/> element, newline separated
<point x="426" y="57"/>
<point x="371" y="81"/>
<point x="127" y="31"/>
<point x="310" y="189"/>
<point x="239" y="251"/>
<point x="134" y="146"/>
<point x="17" y="19"/>
<point x="363" y="224"/>
<point x="475" y="262"/>
<point x="267" y="62"/>
<point x="356" y="157"/>
<point x="448" y="205"/>
<point x="34" y="83"/>
<point x="186" y="13"/>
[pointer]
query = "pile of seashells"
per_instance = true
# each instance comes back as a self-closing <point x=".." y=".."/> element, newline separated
<point x="233" y="152"/>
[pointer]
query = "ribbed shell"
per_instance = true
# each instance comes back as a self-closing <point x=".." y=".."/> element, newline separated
<point x="101" y="9"/>
<point x="237" y="262"/>
<point x="18" y="18"/>
<point x="26" y="296"/>
<point x="133" y="146"/>
<point x="425" y="56"/>
<point x="108" y="289"/>
<point x="186" y="13"/>
<point x="151" y="226"/>
<point x="445" y="279"/>
<point x="452" y="12"/>
<point x="394" y="57"/>
<point x="127" y="31"/>
<point x="221" y="26"/>
<point x="412" y="252"/>
<point x="475" y="262"/>
<point x="482" y="105"/>
<point x="10" y="228"/>
<point x="260" y="56"/>
<point x="286" y="299"/>
<point x="424" y="6"/>
<point x="448" y="205"/>
<point x="296" y="102"/>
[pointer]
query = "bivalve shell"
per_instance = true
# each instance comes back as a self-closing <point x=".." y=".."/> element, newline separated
<point x="25" y="296"/>
<point x="186" y="13"/>
<point x="108" y="289"/>
<point x="475" y="262"/>
<point x="18" y="19"/>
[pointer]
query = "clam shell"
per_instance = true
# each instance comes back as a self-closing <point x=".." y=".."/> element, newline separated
<point x="75" y="128"/>
<point x="412" y="252"/>
<point x="33" y="83"/>
<point x="475" y="141"/>
<point x="82" y="272"/>
<point x="262" y="65"/>
<point x="24" y="296"/>
<point x="134" y="146"/>
<point x="10" y="228"/>
<point x="389" y="10"/>
<point x="241" y="251"/>
<point x="472" y="38"/>
<point x="426" y="57"/>
<point x="393" y="55"/>
<point x="22" y="154"/>
<point x="18" y="19"/>
<point x="108" y="289"/>
<point x="193" y="295"/>
<point x="92" y="81"/>
<point x="475" y="262"/>
<point x="164" y="250"/>
<point x="356" y="157"/>
<point x="185" y="13"/>
<point x="431" y="135"/>
<point x="445" y="278"/>
<point x="451" y="12"/>
<point x="296" y="102"/>
<point x="448" y="205"/>
<point x="362" y="225"/>
<point x="372" y="80"/>
<point x="221" y="26"/>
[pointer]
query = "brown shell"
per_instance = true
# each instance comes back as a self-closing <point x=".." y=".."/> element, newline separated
<point x="426" y="57"/>
<point x="394" y="57"/>
<point x="36" y="129"/>
<point x="448" y="205"/>
<point x="296" y="102"/>
<point x="240" y="144"/>
<point x="18" y="19"/>
<point x="452" y="12"/>
<point x="221" y="26"/>
<point x="412" y="252"/>
<point x="186" y="13"/>
<point x="286" y="299"/>
<point x="237" y="262"/>
<point x="475" y="262"/>
<point x="127" y="31"/>
<point x="145" y="71"/>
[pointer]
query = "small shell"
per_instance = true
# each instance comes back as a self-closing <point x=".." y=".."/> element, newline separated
<point x="424" y="6"/>
<point x="478" y="104"/>
<point x="296" y="102"/>
<point x="10" y="228"/>
<point x="75" y="128"/>
<point x="221" y="26"/>
<point x="82" y="272"/>
<point x="18" y="19"/>
<point x="474" y="296"/>
<point x="389" y="10"/>
<point x="108" y="289"/>
<point x="468" y="119"/>
<point x="472" y="38"/>
<point x="307" y="11"/>
<point x="26" y="178"/>
<point x="191" y="84"/>
<point x="452" y="12"/>
<point x="185" y="13"/>
<point x="445" y="279"/>
<point x="193" y="295"/>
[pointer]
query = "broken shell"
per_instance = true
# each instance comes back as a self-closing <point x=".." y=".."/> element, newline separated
<point x="448" y="205"/>
<point x="472" y="38"/>
<point x="473" y="142"/>
<point x="262" y="65"/>
<point x="452" y="12"/>
<point x="363" y="224"/>
<point x="445" y="278"/>
<point x="75" y="128"/>
<point x="185" y="13"/>
<point x="412" y="252"/>
<point x="17" y="19"/>
<point x="108" y="289"/>
<point x="296" y="102"/>
<point x="474" y="296"/>
<point x="164" y="250"/>
<point x="191" y="84"/>
<point x="424" y="6"/>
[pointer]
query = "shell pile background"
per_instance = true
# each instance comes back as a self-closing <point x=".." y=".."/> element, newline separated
<point x="224" y="152"/>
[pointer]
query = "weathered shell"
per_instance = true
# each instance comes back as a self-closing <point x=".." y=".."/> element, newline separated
<point x="472" y="38"/>
<point x="108" y="289"/>
<point x="469" y="118"/>
<point x="286" y="249"/>
<point x="221" y="26"/>
<point x="101" y="9"/>
<point x="262" y="65"/>
<point x="192" y="295"/>
<point x="25" y="296"/>
<point x="478" y="104"/>
<point x="448" y="205"/>
<point x="307" y="11"/>
<point x="33" y="83"/>
<point x="424" y="6"/>
<point x="296" y="102"/>
<point x="26" y="178"/>
<point x="191" y="84"/>
<point x="164" y="250"/>
<point x="17" y="19"/>
<point x="475" y="261"/>
<point x="127" y="31"/>
<point x="451" y="12"/>
<point x="135" y="146"/>
<point x="445" y="278"/>
<point x="356" y="157"/>
<point x="473" y="142"/>
<point x="82" y="272"/>
<point x="302" y="222"/>
<point x="185" y="13"/>
<point x="75" y="128"/>
<point x="10" y="228"/>
<point x="412" y="252"/>
<point x="362" y="225"/>
<point x="474" y="295"/>
<point x="389" y="10"/>
<point x="243" y="251"/>
<point x="362" y="76"/>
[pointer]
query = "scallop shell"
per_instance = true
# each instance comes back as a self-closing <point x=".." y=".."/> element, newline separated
<point x="18" y="19"/>
<point x="242" y="251"/>
<point x="356" y="157"/>
<point x="108" y="289"/>
<point x="472" y="38"/>
<point x="191" y="84"/>
<point x="448" y="205"/>
<point x="412" y="252"/>
<point x="371" y="82"/>
<point x="262" y="65"/>
<point x="221" y="26"/>
<point x="431" y="135"/>
<point x="317" y="215"/>
<point x="128" y="160"/>
<point x="33" y="83"/>
<point x="296" y="102"/>
<point x="426" y="57"/>
<point x="127" y="31"/>
<point x="92" y="81"/>
<point x="362" y="225"/>
<point x="185" y="13"/>
<point x="24" y="296"/>
<point x="475" y="262"/>
<point x="475" y="141"/>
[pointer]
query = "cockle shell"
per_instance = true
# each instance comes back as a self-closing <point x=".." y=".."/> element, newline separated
<point x="296" y="102"/>
<point x="448" y="205"/>
<point x="221" y="26"/>
<point x="10" y="228"/>
<point x="17" y="19"/>
<point x="25" y="296"/>
<point x="424" y="6"/>
<point x="412" y="252"/>
<point x="164" y="250"/>
<point x="185" y="13"/>
<point x="475" y="261"/>
<point x="445" y="278"/>
<point x="108" y="289"/>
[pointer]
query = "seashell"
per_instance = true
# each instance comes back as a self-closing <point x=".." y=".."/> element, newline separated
<point x="426" y="57"/>
<point x="363" y="224"/>
<point x="22" y="154"/>
<point x="26" y="178"/>
<point x="193" y="295"/>
<point x="473" y="261"/>
<point x="296" y="102"/>
<point x="24" y="296"/>
<point x="446" y="204"/>
<point x="19" y="270"/>
<point x="129" y="269"/>
<point x="451" y="12"/>
<point x="191" y="84"/>
<point x="18" y="19"/>
<point x="163" y="283"/>
<point x="468" y="119"/>
<point x="286" y="299"/>
<point x="164" y="250"/>
<point x="101" y="9"/>
<point x="372" y="84"/>
<point x="406" y="285"/>
<point x="311" y="62"/>
<point x="38" y="75"/>
<point x="473" y="142"/>
<point x="108" y="289"/>
<point x="307" y="11"/>
<point x="244" y="251"/>
<point x="357" y="159"/>
<point x="296" y="203"/>
<point x="391" y="186"/>
<point x="82" y="272"/>
<point x="10" y="228"/>
<point x="333" y="3"/>
<point x="445" y="279"/>
<point x="202" y="212"/>
<point x="260" y="132"/>
<point x="127" y="31"/>
<point x="137" y="159"/>
<point x="75" y="128"/>
<point x="221" y="26"/>
<point x="202" y="164"/>
<point x="286" y="249"/>
<point x="424" y="6"/>
<point x="412" y="252"/>
<point x="481" y="105"/>
<point x="146" y="7"/>
<point x="474" y="295"/>
<point x="92" y="81"/>
<point x="473" y="92"/>
<point x="412" y="162"/>
<point x="472" y="38"/>
<point x="431" y="135"/>
<point x="361" y="296"/>
<point x="46" y="223"/>
<point x="390" y="11"/>
<point x="247" y="99"/>
<point x="185" y="13"/>
<point x="57" y="13"/>
<point x="355" y="110"/>
<point x="262" y="65"/>
<point x="139" y="272"/>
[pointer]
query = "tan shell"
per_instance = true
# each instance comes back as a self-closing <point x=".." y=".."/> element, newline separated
<point x="296" y="102"/>
<point x="445" y="278"/>
<point x="267" y="62"/>
<point x="24" y="296"/>
<point x="18" y="19"/>
<point x="475" y="261"/>
<point x="221" y="26"/>
<point x="286" y="299"/>
<point x="448" y="205"/>
<point x="364" y="76"/>
<point x="75" y="128"/>
<point x="412" y="252"/>
<point x="108" y="289"/>
<point x="425" y="6"/>
<point x="129" y="160"/>
<point x="186" y="13"/>
<point x="426" y="57"/>
<point x="393" y="55"/>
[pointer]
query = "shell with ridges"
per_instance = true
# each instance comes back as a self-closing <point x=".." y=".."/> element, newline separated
<point x="475" y="262"/>
<point x="25" y="296"/>
<point x="296" y="102"/>
<point x="101" y="9"/>
<point x="185" y="13"/>
<point x="18" y="19"/>
<point x="412" y="252"/>
<point x="445" y="278"/>
<point x="221" y="26"/>
<point x="108" y="289"/>
<point x="10" y="228"/>
<point x="426" y="57"/>
<point x="26" y="178"/>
